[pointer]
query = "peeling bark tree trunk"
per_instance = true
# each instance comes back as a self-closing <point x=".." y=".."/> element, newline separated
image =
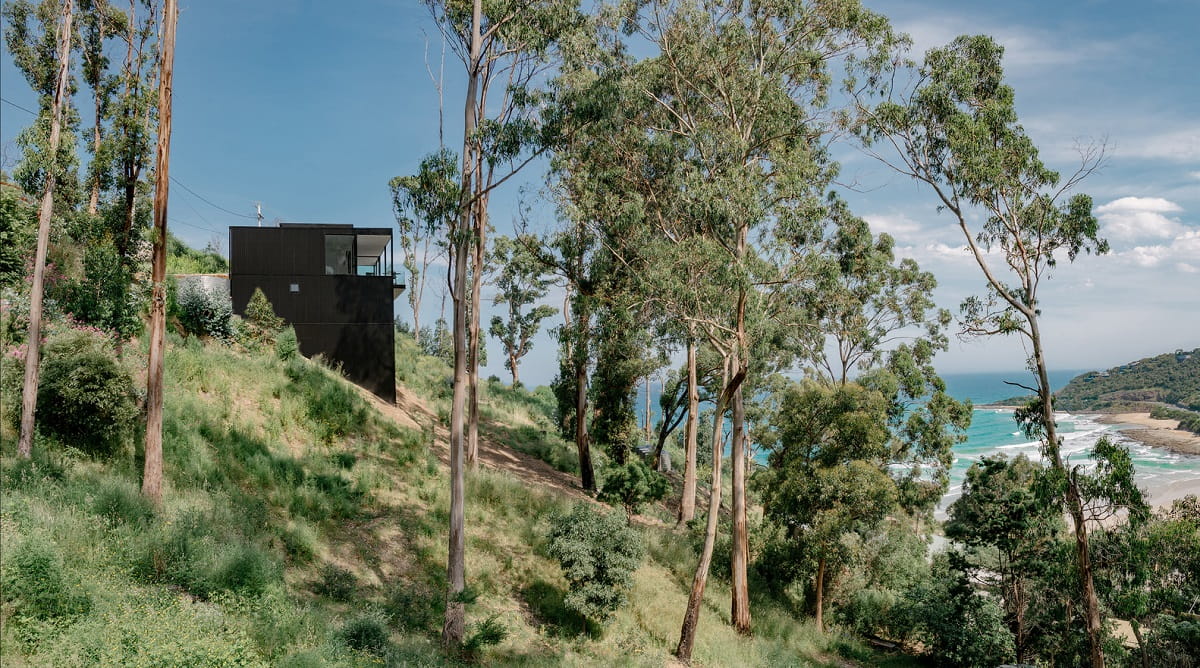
<point x="1074" y="504"/>
<point x="454" y="626"/>
<point x="687" y="635"/>
<point x="649" y="431"/>
<point x="740" y="605"/>
<point x="152" y="475"/>
<point x="33" y="348"/>
<point x="821" y="595"/>
<point x="687" y="503"/>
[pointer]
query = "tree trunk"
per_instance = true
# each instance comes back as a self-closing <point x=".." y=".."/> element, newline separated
<point x="454" y="627"/>
<point x="33" y="348"/>
<point x="1074" y="505"/>
<point x="94" y="200"/>
<point x="153" y="473"/>
<point x="649" y="431"/>
<point x="821" y="595"/>
<point x="1137" y="633"/>
<point x="587" y="476"/>
<point x="687" y="503"/>
<point x="516" y="376"/>
<point x="480" y="241"/>
<point x="691" y="617"/>
<point x="740" y="606"/>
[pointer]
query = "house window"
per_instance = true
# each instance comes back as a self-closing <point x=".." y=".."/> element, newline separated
<point x="339" y="254"/>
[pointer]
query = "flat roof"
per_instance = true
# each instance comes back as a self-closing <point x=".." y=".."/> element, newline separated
<point x="319" y="226"/>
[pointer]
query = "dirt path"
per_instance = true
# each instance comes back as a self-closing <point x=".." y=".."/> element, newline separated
<point x="412" y="412"/>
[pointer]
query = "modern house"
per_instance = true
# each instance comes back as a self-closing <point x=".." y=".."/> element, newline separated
<point x="334" y="284"/>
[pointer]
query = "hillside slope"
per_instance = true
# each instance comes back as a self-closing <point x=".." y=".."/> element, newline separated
<point x="303" y="520"/>
<point x="1172" y="378"/>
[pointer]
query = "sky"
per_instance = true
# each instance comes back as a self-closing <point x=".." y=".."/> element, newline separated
<point x="310" y="110"/>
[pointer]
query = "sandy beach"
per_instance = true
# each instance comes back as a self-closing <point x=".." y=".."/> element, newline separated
<point x="1155" y="433"/>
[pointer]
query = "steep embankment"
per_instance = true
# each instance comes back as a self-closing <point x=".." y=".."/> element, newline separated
<point x="304" y="525"/>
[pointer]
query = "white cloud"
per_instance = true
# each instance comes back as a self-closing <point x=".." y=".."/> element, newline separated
<point x="1194" y="175"/>
<point x="1130" y="218"/>
<point x="1024" y="48"/>
<point x="1182" y="145"/>
<point x="1183" y="251"/>
<point x="1187" y="268"/>
<point x="899" y="226"/>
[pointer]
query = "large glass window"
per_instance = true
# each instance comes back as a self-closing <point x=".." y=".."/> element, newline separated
<point x="339" y="254"/>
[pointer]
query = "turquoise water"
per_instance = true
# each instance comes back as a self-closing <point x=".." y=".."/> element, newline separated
<point x="993" y="431"/>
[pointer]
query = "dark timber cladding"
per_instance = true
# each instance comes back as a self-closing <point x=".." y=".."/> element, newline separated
<point x="333" y="283"/>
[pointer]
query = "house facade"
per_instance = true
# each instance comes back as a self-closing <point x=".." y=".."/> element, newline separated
<point x="334" y="284"/>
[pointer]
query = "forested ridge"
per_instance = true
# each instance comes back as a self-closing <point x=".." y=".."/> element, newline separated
<point x="1170" y="378"/>
<point x="182" y="487"/>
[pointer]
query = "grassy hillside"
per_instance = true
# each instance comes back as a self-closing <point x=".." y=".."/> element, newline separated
<point x="1172" y="378"/>
<point x="305" y="524"/>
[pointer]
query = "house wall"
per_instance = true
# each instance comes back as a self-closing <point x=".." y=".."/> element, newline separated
<point x="348" y="319"/>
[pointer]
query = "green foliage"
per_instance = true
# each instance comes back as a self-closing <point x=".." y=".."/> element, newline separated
<point x="287" y="347"/>
<point x="337" y="583"/>
<point x="36" y="582"/>
<point x="205" y="312"/>
<point x="1170" y="378"/>
<point x="123" y="503"/>
<point x="106" y="296"/>
<point x="86" y="399"/>
<point x="365" y="633"/>
<point x="261" y="322"/>
<point x="1188" y="420"/>
<point x="18" y="234"/>
<point x="183" y="259"/>
<point x="335" y="408"/>
<point x="633" y="485"/>
<point x="485" y="634"/>
<point x="598" y="553"/>
<point x="415" y="608"/>
<point x="958" y="626"/>
<point x="520" y="283"/>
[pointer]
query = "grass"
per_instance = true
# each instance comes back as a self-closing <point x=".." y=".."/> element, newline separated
<point x="292" y="535"/>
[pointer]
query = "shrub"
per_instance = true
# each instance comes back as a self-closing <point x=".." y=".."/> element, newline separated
<point x="122" y="503"/>
<point x="35" y="581"/>
<point x="414" y="608"/>
<point x="85" y="398"/>
<point x="365" y="633"/>
<point x="261" y="322"/>
<point x="633" y="485"/>
<point x="287" y="347"/>
<point x="337" y="583"/>
<point x="205" y="313"/>
<point x="244" y="568"/>
<point x="598" y="553"/>
<point x="299" y="541"/>
<point x="485" y="634"/>
<point x="103" y="296"/>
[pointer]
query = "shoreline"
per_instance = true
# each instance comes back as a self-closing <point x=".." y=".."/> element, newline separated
<point x="1154" y="433"/>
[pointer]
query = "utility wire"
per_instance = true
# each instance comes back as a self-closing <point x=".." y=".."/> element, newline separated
<point x="177" y="182"/>
<point x="204" y="199"/>
<point x="31" y="113"/>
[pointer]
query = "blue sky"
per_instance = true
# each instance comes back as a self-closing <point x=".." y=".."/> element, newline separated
<point x="311" y="109"/>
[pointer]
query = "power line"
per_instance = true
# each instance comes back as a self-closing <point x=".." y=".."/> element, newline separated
<point x="204" y="199"/>
<point x="177" y="181"/>
<point x="31" y="113"/>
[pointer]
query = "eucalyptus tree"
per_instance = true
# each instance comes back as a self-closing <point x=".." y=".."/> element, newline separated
<point x="955" y="130"/>
<point x="424" y="204"/>
<point x="738" y="96"/>
<point x="30" y="34"/>
<point x="133" y="114"/>
<point x="520" y="282"/>
<point x="512" y="42"/>
<point x="99" y="22"/>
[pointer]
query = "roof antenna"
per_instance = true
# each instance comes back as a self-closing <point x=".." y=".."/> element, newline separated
<point x="258" y="207"/>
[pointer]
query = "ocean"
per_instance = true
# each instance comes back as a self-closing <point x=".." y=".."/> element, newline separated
<point x="993" y="431"/>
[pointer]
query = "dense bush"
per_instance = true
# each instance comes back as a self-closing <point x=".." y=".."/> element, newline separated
<point x="337" y="583"/>
<point x="287" y="347"/>
<point x="36" y="583"/>
<point x="366" y="633"/>
<point x="598" y="553"/>
<point x="632" y="485"/>
<point x="121" y="502"/>
<point x="86" y="399"/>
<point x="106" y="295"/>
<point x="205" y="312"/>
